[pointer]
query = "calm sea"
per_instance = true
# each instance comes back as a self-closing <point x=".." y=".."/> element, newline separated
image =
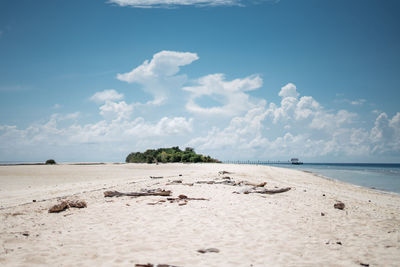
<point x="385" y="177"/>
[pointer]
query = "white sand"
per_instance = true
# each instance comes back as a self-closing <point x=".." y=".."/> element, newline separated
<point x="284" y="229"/>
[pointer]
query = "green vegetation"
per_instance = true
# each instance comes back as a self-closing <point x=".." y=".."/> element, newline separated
<point x="164" y="155"/>
<point x="50" y="162"/>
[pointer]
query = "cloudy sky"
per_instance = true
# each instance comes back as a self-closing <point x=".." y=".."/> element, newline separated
<point x="262" y="80"/>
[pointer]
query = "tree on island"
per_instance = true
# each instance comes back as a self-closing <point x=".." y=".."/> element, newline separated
<point x="164" y="155"/>
<point x="50" y="162"/>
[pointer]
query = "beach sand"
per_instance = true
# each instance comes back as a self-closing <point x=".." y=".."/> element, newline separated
<point x="284" y="229"/>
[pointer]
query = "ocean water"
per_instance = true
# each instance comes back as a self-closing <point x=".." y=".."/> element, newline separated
<point x="385" y="177"/>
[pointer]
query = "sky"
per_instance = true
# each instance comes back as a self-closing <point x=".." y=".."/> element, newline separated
<point x="95" y="80"/>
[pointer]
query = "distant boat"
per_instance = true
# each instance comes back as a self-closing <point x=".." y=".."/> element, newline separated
<point x="296" y="161"/>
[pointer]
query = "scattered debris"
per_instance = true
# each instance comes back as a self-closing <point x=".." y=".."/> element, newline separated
<point x="322" y="214"/>
<point x="183" y="199"/>
<point x="215" y="250"/>
<point x="253" y="184"/>
<point x="323" y="195"/>
<point x="339" y="243"/>
<point x="34" y="200"/>
<point x="339" y="205"/>
<point x="68" y="204"/>
<point x="268" y="191"/>
<point x="157" y="192"/>
<point x="25" y="233"/>
<point x="59" y="207"/>
<point x="156" y="177"/>
<point x="77" y="204"/>
<point x="364" y="264"/>
<point x="180" y="174"/>
<point x="157" y="202"/>
<point x="175" y="182"/>
<point x="206" y="182"/>
<point x="224" y="172"/>
<point x="154" y="265"/>
<point x="229" y="181"/>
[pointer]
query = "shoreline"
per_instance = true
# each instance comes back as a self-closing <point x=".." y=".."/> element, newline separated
<point x="296" y="227"/>
<point x="348" y="183"/>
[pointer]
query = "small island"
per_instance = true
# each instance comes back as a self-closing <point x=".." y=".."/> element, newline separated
<point x="164" y="155"/>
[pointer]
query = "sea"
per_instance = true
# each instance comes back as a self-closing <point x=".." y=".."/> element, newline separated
<point x="384" y="177"/>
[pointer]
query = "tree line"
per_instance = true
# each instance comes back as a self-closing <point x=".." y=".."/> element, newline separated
<point x="164" y="155"/>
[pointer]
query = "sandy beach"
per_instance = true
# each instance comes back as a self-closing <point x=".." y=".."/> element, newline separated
<point x="299" y="227"/>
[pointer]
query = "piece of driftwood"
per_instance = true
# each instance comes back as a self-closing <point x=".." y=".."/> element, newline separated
<point x="156" y="177"/>
<point x="77" y="204"/>
<point x="67" y="204"/>
<point x="154" y="265"/>
<point x="174" y="182"/>
<point x="224" y="172"/>
<point x="59" y="207"/>
<point x="182" y="199"/>
<point x="164" y="193"/>
<point x="254" y="184"/>
<point x="269" y="191"/>
<point x="157" y="202"/>
<point x="206" y="250"/>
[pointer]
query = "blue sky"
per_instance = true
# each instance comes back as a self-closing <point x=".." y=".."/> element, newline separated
<point x="268" y="80"/>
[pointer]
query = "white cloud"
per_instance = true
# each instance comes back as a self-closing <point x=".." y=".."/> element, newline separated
<point x="116" y="111"/>
<point x="320" y="132"/>
<point x="106" y="95"/>
<point x="94" y="141"/>
<point x="239" y="126"/>
<point x="289" y="90"/>
<point x="230" y="93"/>
<point x="172" y="3"/>
<point x="358" y="102"/>
<point x="242" y="133"/>
<point x="158" y="76"/>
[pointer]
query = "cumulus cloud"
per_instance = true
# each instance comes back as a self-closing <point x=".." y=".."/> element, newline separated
<point x="116" y="111"/>
<point x="173" y="3"/>
<point x="230" y="93"/>
<point x="306" y="130"/>
<point x="104" y="139"/>
<point x="249" y="128"/>
<point x="158" y="76"/>
<point x="106" y="95"/>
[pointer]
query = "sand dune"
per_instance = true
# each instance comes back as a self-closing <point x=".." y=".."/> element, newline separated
<point x="285" y="229"/>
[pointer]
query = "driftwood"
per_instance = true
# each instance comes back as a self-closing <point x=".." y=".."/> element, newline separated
<point x="59" y="207"/>
<point x="224" y="172"/>
<point x="77" y="204"/>
<point x="215" y="250"/>
<point x="154" y="265"/>
<point x="269" y="191"/>
<point x="181" y="200"/>
<point x="174" y="182"/>
<point x="157" y="202"/>
<point x="163" y="193"/>
<point x="228" y="181"/>
<point x="156" y="177"/>
<point x="67" y="204"/>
